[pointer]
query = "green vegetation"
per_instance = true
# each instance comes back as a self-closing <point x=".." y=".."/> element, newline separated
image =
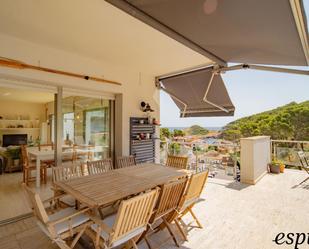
<point x="13" y="152"/>
<point x="174" y="148"/>
<point x="196" y="130"/>
<point x="178" y="133"/>
<point x="287" y="122"/>
<point x="164" y="133"/>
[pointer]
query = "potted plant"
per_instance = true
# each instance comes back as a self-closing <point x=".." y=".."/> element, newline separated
<point x="14" y="153"/>
<point x="13" y="156"/>
<point x="274" y="167"/>
<point x="281" y="165"/>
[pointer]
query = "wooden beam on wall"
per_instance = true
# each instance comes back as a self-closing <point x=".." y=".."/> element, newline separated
<point x="6" y="62"/>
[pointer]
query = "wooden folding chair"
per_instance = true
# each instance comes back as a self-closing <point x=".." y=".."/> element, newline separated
<point x="99" y="166"/>
<point x="124" y="227"/>
<point x="61" y="225"/>
<point x="170" y="196"/>
<point x="304" y="162"/>
<point x="190" y="198"/>
<point x="84" y="152"/>
<point x="64" y="173"/>
<point x="48" y="163"/>
<point x="177" y="162"/>
<point x="28" y="167"/>
<point x="125" y="161"/>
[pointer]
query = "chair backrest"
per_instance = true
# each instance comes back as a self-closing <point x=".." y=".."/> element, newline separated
<point x="125" y="161"/>
<point x="177" y="162"/>
<point x="303" y="160"/>
<point x="170" y="196"/>
<point x="24" y="156"/>
<point x="46" y="146"/>
<point x="195" y="187"/>
<point x="99" y="166"/>
<point x="37" y="205"/>
<point x="133" y="214"/>
<point x="62" y="173"/>
<point x="79" y="140"/>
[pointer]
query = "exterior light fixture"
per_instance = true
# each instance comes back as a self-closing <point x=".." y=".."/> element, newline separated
<point x="146" y="107"/>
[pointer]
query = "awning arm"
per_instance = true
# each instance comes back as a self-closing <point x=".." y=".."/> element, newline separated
<point x="263" y="68"/>
<point x="206" y="93"/>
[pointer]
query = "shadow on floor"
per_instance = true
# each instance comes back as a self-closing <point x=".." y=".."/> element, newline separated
<point x="237" y="186"/>
<point x="303" y="186"/>
<point x="231" y="185"/>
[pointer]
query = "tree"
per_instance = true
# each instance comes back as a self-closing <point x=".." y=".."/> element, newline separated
<point x="178" y="133"/>
<point x="174" y="148"/>
<point x="286" y="122"/>
<point x="164" y="133"/>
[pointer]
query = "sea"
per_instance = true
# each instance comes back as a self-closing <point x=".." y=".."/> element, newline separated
<point x="182" y="128"/>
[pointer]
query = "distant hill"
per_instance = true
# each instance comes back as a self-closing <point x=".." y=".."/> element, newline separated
<point x="210" y="128"/>
<point x="290" y="121"/>
<point x="196" y="130"/>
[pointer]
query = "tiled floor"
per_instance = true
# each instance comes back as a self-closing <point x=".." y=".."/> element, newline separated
<point x="234" y="216"/>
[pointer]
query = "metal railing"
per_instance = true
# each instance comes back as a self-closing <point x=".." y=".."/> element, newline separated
<point x="283" y="150"/>
<point x="200" y="159"/>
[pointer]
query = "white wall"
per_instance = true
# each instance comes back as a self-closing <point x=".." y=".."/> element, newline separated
<point x="12" y="109"/>
<point x="255" y="157"/>
<point x="136" y="86"/>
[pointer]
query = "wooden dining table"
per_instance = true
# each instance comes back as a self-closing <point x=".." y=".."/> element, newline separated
<point x="41" y="155"/>
<point x="103" y="189"/>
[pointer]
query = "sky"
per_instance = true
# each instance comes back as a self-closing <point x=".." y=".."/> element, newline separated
<point x="250" y="91"/>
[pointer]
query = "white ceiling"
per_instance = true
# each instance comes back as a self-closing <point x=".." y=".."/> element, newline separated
<point x="12" y="94"/>
<point x="97" y="30"/>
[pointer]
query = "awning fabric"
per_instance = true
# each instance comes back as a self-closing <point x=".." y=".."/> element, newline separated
<point x="268" y="32"/>
<point x="244" y="31"/>
<point x="188" y="92"/>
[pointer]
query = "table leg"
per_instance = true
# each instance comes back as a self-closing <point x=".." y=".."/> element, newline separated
<point x="38" y="175"/>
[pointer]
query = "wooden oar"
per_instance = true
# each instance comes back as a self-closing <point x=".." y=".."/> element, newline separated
<point x="6" y="62"/>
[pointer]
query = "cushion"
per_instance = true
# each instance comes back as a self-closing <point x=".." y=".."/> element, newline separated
<point x="64" y="226"/>
<point x="189" y="203"/>
<point x="109" y="221"/>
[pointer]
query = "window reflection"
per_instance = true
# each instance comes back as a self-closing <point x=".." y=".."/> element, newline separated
<point x="86" y="127"/>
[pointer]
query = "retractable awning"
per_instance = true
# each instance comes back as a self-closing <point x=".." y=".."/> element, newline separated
<point x="268" y="32"/>
<point x="244" y="31"/>
<point x="199" y="93"/>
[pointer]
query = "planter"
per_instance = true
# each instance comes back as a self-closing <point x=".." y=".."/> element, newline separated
<point x="282" y="167"/>
<point x="274" y="168"/>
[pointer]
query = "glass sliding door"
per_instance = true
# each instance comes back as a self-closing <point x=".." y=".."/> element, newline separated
<point x="97" y="130"/>
<point x="68" y="126"/>
<point x="87" y="126"/>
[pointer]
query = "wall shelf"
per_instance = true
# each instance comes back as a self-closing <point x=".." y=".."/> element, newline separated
<point x="142" y="149"/>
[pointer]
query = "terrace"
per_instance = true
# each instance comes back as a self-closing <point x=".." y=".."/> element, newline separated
<point x="234" y="215"/>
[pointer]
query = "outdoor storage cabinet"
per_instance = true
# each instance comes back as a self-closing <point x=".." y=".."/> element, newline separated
<point x="254" y="158"/>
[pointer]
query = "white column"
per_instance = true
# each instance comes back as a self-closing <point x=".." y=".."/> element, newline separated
<point x="58" y="126"/>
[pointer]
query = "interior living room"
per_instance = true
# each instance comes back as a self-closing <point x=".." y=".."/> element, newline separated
<point x="27" y="123"/>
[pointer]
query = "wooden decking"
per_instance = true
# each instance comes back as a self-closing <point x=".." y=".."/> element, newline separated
<point x="233" y="215"/>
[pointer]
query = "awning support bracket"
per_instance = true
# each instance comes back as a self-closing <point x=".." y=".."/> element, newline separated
<point x="206" y="93"/>
<point x="262" y="68"/>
